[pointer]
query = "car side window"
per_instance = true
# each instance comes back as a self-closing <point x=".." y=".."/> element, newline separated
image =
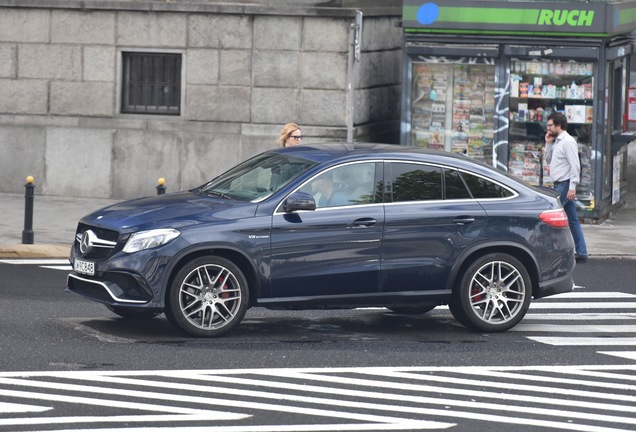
<point x="454" y="186"/>
<point x="482" y="188"/>
<point x="351" y="184"/>
<point x="414" y="182"/>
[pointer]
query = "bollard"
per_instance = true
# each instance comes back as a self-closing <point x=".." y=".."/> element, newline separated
<point x="161" y="188"/>
<point x="27" y="233"/>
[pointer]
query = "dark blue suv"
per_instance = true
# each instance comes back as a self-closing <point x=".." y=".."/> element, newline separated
<point x="330" y="226"/>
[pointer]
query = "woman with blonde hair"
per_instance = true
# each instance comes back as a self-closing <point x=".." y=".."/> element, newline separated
<point x="290" y="135"/>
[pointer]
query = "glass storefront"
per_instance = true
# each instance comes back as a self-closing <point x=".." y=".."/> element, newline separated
<point x="513" y="64"/>
<point x="452" y="108"/>
<point x="537" y="89"/>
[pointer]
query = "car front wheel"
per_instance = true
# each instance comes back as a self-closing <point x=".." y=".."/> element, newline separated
<point x="208" y="297"/>
<point x="493" y="294"/>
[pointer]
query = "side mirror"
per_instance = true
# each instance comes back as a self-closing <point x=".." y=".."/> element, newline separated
<point x="299" y="201"/>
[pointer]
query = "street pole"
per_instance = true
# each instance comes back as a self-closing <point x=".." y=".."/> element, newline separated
<point x="27" y="233"/>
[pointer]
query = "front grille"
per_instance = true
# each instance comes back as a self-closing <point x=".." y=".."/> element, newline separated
<point x="100" y="253"/>
<point x="102" y="233"/>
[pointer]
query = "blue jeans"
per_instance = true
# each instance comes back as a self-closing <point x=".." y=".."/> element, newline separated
<point x="573" y="218"/>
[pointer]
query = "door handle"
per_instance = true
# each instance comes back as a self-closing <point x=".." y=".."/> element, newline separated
<point x="463" y="220"/>
<point x="367" y="222"/>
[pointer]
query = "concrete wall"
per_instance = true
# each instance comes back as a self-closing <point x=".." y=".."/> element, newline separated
<point x="246" y="72"/>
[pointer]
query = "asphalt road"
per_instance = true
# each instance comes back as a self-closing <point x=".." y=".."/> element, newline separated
<point x="570" y="365"/>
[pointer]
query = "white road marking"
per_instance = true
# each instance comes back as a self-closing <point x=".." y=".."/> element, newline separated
<point x="466" y="391"/>
<point x="6" y="407"/>
<point x="104" y="402"/>
<point x="205" y="401"/>
<point x="34" y="261"/>
<point x="582" y="317"/>
<point x="406" y="425"/>
<point x="631" y="355"/>
<point x="582" y="328"/>
<point x="332" y="391"/>
<point x="66" y="267"/>
<point x="584" y="341"/>
<point x="408" y="395"/>
<point x="583" y="305"/>
<point x="594" y="295"/>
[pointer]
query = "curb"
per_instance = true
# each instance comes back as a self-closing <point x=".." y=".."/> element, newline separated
<point x="35" y="251"/>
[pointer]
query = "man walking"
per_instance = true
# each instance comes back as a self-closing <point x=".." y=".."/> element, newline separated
<point x="562" y="154"/>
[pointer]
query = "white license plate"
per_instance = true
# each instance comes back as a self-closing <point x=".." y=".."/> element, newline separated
<point x="84" y="267"/>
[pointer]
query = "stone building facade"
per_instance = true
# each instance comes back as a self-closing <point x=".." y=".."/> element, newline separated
<point x="246" y="69"/>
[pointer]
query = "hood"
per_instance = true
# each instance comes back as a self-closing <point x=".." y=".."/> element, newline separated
<point x="176" y="210"/>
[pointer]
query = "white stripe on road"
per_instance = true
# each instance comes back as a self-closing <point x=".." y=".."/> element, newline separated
<point x="596" y="295"/>
<point x="204" y="401"/>
<point x="359" y="395"/>
<point x="406" y="425"/>
<point x="111" y="419"/>
<point x="631" y="355"/>
<point x="219" y="415"/>
<point x="50" y="261"/>
<point x="65" y="267"/>
<point x="582" y="317"/>
<point x="584" y="341"/>
<point x="374" y="407"/>
<point x="6" y="407"/>
<point x="583" y="305"/>
<point x="565" y="328"/>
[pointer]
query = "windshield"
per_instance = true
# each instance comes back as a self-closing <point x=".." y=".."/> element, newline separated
<point x="257" y="178"/>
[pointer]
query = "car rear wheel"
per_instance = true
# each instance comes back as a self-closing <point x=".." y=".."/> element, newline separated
<point x="493" y="294"/>
<point x="208" y="297"/>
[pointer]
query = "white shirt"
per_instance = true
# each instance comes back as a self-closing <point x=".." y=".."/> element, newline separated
<point x="563" y="157"/>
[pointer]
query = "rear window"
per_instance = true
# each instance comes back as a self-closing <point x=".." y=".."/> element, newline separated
<point x="482" y="188"/>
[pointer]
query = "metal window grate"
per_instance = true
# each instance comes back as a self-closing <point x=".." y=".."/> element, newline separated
<point x="151" y="83"/>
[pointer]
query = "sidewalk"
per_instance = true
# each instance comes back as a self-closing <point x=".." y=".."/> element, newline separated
<point x="55" y="220"/>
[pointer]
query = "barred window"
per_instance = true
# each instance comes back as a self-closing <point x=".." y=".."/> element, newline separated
<point x="151" y="83"/>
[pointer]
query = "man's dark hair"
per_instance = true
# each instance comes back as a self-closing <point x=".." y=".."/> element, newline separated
<point x="559" y="119"/>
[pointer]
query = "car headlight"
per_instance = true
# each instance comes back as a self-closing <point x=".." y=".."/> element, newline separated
<point x="149" y="239"/>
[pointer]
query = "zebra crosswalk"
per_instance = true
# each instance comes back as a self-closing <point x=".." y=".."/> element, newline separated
<point x="560" y="398"/>
<point x="583" y="318"/>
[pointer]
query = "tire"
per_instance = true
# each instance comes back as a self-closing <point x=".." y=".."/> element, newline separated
<point x="132" y="313"/>
<point x="412" y="310"/>
<point x="493" y="294"/>
<point x="208" y="297"/>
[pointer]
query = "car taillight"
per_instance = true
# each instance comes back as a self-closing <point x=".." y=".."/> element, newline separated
<point x="555" y="218"/>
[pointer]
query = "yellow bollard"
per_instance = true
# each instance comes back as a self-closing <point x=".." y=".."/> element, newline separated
<point x="161" y="188"/>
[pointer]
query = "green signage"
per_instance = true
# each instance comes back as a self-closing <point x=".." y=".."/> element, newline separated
<point x="560" y="17"/>
<point x="575" y="18"/>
